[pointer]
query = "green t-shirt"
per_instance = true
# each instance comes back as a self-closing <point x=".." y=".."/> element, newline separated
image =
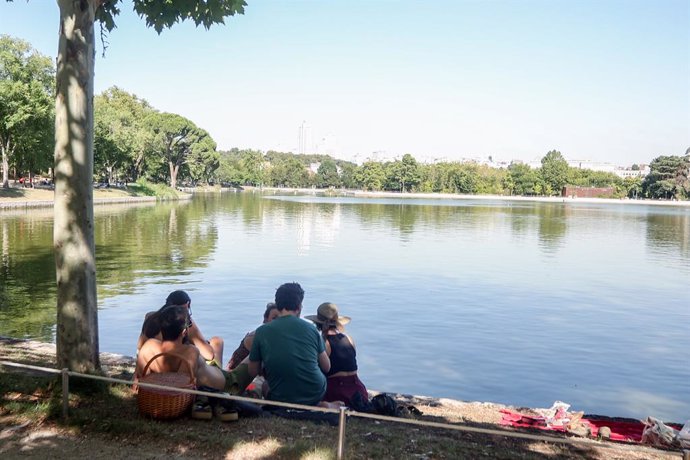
<point x="289" y="349"/>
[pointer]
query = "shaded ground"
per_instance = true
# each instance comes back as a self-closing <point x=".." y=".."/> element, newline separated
<point x="106" y="424"/>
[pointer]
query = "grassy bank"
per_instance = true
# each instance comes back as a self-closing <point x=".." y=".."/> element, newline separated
<point x="18" y="196"/>
<point x="104" y="422"/>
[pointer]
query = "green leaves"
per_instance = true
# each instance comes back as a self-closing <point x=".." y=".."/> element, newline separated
<point x="668" y="178"/>
<point x="178" y="140"/>
<point x="27" y="80"/>
<point x="161" y="14"/>
<point x="554" y="170"/>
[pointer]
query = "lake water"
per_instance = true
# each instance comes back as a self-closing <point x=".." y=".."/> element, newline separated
<point x="521" y="303"/>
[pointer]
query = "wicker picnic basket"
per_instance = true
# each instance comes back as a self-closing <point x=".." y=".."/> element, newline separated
<point x="166" y="404"/>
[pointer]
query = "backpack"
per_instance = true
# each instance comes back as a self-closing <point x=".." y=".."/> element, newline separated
<point x="384" y="404"/>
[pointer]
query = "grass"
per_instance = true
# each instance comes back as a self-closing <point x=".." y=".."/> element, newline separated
<point x="111" y="412"/>
<point x="106" y="415"/>
<point x="144" y="188"/>
<point x="140" y="188"/>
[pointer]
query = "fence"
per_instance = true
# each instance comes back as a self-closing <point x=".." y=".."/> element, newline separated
<point x="342" y="411"/>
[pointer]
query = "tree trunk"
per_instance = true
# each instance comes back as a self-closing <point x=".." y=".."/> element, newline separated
<point x="73" y="234"/>
<point x="173" y="174"/>
<point x="5" y="165"/>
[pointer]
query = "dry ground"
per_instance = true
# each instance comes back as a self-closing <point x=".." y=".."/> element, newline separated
<point x="106" y="424"/>
<point x="17" y="194"/>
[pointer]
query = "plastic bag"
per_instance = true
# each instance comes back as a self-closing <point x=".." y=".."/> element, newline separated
<point x="657" y="434"/>
<point x="557" y="415"/>
<point x="683" y="436"/>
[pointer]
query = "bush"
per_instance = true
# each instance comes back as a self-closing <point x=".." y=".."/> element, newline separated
<point x="144" y="187"/>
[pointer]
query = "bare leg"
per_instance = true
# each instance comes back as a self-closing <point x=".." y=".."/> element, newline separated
<point x="217" y="345"/>
<point x="209" y="376"/>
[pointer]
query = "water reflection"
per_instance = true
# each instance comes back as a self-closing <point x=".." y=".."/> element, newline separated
<point x="670" y="232"/>
<point x="132" y="242"/>
<point x="553" y="218"/>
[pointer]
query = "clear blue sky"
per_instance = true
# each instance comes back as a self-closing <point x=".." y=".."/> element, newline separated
<point x="604" y="80"/>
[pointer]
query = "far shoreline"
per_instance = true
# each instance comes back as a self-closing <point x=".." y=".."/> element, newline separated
<point x="458" y="196"/>
<point x="43" y="198"/>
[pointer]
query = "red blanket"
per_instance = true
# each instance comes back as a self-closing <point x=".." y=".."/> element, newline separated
<point x="628" y="431"/>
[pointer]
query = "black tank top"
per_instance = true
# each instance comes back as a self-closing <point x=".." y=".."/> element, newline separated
<point x="343" y="354"/>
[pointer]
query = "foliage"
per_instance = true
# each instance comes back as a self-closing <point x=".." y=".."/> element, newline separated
<point x="288" y="172"/>
<point x="327" y="174"/>
<point x="404" y="173"/>
<point x="179" y="140"/>
<point x="554" y="172"/>
<point x="120" y="135"/>
<point x="27" y="81"/>
<point x="146" y="188"/>
<point x="523" y="180"/>
<point x="370" y="176"/>
<point x="163" y="15"/>
<point x="668" y="178"/>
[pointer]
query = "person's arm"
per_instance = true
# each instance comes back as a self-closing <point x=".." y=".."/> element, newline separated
<point x="198" y="340"/>
<point x="255" y="357"/>
<point x="324" y="362"/>
<point x="249" y="340"/>
<point x="142" y="336"/>
<point x="254" y="368"/>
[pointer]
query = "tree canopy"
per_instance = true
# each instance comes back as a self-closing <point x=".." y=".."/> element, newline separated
<point x="554" y="171"/>
<point x="668" y="177"/>
<point x="27" y="80"/>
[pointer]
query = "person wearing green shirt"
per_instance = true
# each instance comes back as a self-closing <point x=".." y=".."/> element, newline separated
<point x="291" y="352"/>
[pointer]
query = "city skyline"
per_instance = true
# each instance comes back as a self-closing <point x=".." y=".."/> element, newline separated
<point x="602" y="81"/>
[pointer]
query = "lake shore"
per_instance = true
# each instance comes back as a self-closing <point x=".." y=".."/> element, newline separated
<point x="20" y="197"/>
<point x="457" y="196"/>
<point x="17" y="198"/>
<point x="17" y="433"/>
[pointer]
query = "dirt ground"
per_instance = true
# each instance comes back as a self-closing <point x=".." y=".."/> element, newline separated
<point x="268" y="438"/>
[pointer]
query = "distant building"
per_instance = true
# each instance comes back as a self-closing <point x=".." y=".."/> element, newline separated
<point x="629" y="172"/>
<point x="592" y="165"/>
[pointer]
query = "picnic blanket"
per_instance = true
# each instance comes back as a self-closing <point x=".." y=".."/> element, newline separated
<point x="625" y="430"/>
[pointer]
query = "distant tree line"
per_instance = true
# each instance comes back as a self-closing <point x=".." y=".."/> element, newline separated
<point x="133" y="140"/>
<point x="668" y="178"/>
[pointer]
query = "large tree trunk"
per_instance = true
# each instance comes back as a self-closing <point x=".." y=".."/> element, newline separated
<point x="173" y="174"/>
<point x="73" y="235"/>
<point x="5" y="164"/>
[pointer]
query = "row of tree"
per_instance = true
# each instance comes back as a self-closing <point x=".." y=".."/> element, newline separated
<point x="668" y="178"/>
<point x="132" y="139"/>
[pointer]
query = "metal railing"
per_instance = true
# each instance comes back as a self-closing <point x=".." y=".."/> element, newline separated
<point x="342" y="411"/>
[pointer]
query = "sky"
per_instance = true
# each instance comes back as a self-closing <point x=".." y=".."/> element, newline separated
<point x="599" y="80"/>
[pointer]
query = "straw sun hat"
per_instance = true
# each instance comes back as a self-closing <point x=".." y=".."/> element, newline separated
<point x="327" y="313"/>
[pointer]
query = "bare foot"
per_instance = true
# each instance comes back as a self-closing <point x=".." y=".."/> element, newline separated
<point x="331" y="404"/>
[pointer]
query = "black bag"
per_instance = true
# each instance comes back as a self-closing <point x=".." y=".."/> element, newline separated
<point x="384" y="404"/>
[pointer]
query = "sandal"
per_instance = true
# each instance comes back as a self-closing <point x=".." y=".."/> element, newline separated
<point x="202" y="409"/>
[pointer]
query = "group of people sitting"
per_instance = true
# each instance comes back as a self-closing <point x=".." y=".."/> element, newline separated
<point x="287" y="358"/>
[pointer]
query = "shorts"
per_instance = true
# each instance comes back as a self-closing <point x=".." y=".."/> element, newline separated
<point x="343" y="388"/>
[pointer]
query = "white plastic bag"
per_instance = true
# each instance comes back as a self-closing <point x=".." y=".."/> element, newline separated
<point x="656" y="433"/>
<point x="683" y="436"/>
<point x="557" y="415"/>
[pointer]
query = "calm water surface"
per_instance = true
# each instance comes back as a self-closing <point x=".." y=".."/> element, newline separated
<point x="515" y="302"/>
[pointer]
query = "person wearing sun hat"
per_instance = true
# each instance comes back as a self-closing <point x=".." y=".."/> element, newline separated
<point x="343" y="383"/>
